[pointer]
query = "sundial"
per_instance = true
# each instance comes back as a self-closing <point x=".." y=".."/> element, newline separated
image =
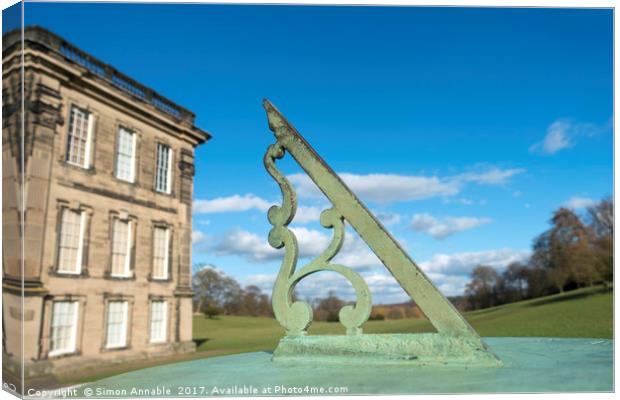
<point x="455" y="341"/>
<point x="454" y="359"/>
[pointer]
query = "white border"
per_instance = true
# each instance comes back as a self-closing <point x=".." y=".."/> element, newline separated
<point x="445" y="3"/>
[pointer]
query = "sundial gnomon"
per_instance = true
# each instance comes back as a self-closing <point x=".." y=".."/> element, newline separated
<point x="455" y="341"/>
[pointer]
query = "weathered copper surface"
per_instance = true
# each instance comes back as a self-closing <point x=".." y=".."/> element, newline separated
<point x="297" y="316"/>
<point x="532" y="365"/>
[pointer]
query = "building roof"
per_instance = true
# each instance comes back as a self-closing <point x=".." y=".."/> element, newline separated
<point x="72" y="54"/>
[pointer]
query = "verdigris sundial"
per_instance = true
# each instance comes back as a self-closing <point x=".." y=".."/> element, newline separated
<point x="454" y="343"/>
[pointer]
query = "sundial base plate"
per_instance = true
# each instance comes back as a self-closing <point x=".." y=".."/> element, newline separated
<point x="408" y="349"/>
<point x="531" y="365"/>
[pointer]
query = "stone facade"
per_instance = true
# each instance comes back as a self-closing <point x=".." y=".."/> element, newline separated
<point x="64" y="87"/>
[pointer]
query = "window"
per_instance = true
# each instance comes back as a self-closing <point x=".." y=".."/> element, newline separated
<point x="116" y="335"/>
<point x="161" y="248"/>
<point x="121" y="248"/>
<point x="64" y="327"/>
<point x="126" y="155"/>
<point x="80" y="135"/>
<point x="70" y="244"/>
<point x="158" y="321"/>
<point x="163" y="169"/>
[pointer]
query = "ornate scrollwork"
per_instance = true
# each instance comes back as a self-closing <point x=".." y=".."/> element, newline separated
<point x="452" y="329"/>
<point x="296" y="316"/>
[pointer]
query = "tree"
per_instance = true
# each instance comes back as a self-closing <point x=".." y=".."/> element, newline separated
<point x="538" y="283"/>
<point x="254" y="302"/>
<point x="250" y="299"/>
<point x="412" y="311"/>
<point x="604" y="258"/>
<point x="396" y="313"/>
<point x="213" y="287"/>
<point x="215" y="293"/>
<point x="211" y="311"/>
<point x="564" y="251"/>
<point x="570" y="254"/>
<point x="482" y="290"/>
<point x="328" y="308"/>
<point x="601" y="217"/>
<point x="515" y="277"/>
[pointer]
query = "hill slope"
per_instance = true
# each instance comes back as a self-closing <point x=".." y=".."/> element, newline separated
<point x="579" y="313"/>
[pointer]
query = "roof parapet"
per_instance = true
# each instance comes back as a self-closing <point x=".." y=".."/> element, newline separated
<point x="49" y="40"/>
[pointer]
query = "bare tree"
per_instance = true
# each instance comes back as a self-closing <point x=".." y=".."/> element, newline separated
<point x="601" y="217"/>
<point x="217" y="292"/>
<point x="329" y="307"/>
<point x="515" y="277"/>
<point x="602" y="225"/>
<point x="482" y="290"/>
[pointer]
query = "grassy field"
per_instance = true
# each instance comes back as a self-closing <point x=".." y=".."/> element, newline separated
<point x="584" y="313"/>
<point x="581" y="313"/>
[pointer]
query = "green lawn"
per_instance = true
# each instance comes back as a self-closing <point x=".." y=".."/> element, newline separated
<point x="579" y="313"/>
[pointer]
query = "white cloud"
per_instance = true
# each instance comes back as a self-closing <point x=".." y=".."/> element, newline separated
<point x="200" y="267"/>
<point x="356" y="254"/>
<point x="245" y="244"/>
<point x="464" y="263"/>
<point x="558" y="137"/>
<point x="199" y="237"/>
<point x="492" y="176"/>
<point x="450" y="273"/>
<point x="237" y="203"/>
<point x="232" y="203"/>
<point x="263" y="281"/>
<point x="378" y="188"/>
<point x="382" y="188"/>
<point x="562" y="134"/>
<point x="311" y="242"/>
<point x="383" y="287"/>
<point x="255" y="248"/>
<point x="577" y="202"/>
<point x="464" y="201"/>
<point x="307" y="214"/>
<point x="447" y="226"/>
<point x="390" y="188"/>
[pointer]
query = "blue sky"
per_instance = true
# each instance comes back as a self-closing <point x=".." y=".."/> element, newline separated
<point x="462" y="128"/>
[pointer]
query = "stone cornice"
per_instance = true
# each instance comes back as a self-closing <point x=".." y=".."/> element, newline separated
<point x="82" y="69"/>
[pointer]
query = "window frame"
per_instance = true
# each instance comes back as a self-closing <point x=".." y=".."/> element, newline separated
<point x="89" y="137"/>
<point x="80" y="250"/>
<point x="124" y="325"/>
<point x="74" y="329"/>
<point x="134" y="144"/>
<point x="168" y="188"/>
<point x="127" y="273"/>
<point x="164" y="325"/>
<point x="166" y="262"/>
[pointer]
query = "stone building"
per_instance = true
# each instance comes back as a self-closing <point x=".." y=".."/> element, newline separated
<point x="107" y="170"/>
